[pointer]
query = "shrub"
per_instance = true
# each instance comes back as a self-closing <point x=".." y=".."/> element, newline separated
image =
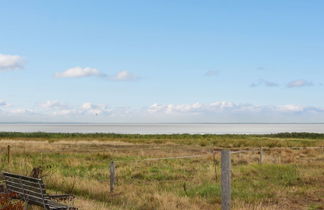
<point x="7" y="202"/>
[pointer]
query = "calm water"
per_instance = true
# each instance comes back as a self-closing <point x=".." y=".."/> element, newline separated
<point x="165" y="128"/>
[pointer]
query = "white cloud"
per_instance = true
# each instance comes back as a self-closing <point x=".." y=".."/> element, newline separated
<point x="299" y="83"/>
<point x="11" y="62"/>
<point x="124" y="76"/>
<point x="87" y="106"/>
<point x="57" y="108"/>
<point x="219" y="106"/>
<point x="95" y="108"/>
<point x="64" y="112"/>
<point x="20" y="111"/>
<point x="223" y="111"/>
<point x="290" y="108"/>
<point x="227" y="107"/>
<point x="176" y="108"/>
<point x="218" y="111"/>
<point x="77" y="72"/>
<point x="53" y="105"/>
<point x="263" y="82"/>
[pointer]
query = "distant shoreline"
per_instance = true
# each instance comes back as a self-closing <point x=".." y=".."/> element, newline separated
<point x="165" y="128"/>
<point x="154" y="123"/>
<point x="117" y="135"/>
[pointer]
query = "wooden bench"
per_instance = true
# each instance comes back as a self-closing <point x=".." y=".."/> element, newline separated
<point x="32" y="191"/>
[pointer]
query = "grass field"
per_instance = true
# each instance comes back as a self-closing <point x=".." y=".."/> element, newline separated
<point x="78" y="164"/>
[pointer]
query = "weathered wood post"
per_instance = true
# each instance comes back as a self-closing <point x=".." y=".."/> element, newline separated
<point x="8" y="151"/>
<point x="261" y="155"/>
<point x="279" y="157"/>
<point x="226" y="179"/>
<point x="112" y="176"/>
<point x="42" y="160"/>
<point x="215" y="165"/>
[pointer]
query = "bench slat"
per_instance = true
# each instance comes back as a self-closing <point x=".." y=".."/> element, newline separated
<point x="24" y="186"/>
<point x="57" y="206"/>
<point x="21" y="177"/>
<point x="29" y="197"/>
<point x="24" y="191"/>
<point x="26" y="182"/>
<point x="32" y="190"/>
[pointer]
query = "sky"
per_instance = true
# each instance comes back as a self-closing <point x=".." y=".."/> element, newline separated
<point x="162" y="61"/>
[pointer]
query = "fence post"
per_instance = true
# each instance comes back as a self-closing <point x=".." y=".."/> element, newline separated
<point x="226" y="179"/>
<point x="261" y="155"/>
<point x="8" y="151"/>
<point x="215" y="165"/>
<point x="112" y="176"/>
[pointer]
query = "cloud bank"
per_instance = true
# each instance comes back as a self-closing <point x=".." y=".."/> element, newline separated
<point x="229" y="107"/>
<point x="219" y="111"/>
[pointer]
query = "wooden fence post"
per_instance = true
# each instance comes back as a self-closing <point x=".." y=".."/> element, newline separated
<point x="215" y="165"/>
<point x="226" y="179"/>
<point x="8" y="150"/>
<point x="261" y="155"/>
<point x="112" y="176"/>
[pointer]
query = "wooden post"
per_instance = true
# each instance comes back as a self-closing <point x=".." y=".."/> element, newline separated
<point x="8" y="154"/>
<point x="215" y="165"/>
<point x="112" y="176"/>
<point x="226" y="179"/>
<point x="42" y="160"/>
<point x="261" y="156"/>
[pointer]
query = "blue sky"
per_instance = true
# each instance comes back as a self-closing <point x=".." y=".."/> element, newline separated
<point x="162" y="61"/>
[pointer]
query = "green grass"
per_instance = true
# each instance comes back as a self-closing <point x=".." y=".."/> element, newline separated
<point x="258" y="181"/>
<point x="273" y="140"/>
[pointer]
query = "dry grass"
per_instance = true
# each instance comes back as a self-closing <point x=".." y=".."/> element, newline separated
<point x="287" y="179"/>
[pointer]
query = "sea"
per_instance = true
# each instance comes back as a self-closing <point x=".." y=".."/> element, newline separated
<point x="164" y="128"/>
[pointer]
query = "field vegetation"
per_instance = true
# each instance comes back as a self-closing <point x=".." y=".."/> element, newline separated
<point x="290" y="177"/>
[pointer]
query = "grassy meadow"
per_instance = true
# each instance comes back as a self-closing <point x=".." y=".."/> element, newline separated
<point x="289" y="178"/>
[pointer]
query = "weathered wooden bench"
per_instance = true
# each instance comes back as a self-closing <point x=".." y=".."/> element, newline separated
<point x="33" y="192"/>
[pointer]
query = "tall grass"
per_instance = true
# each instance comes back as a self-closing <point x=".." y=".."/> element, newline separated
<point x="79" y="166"/>
<point x="273" y="140"/>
